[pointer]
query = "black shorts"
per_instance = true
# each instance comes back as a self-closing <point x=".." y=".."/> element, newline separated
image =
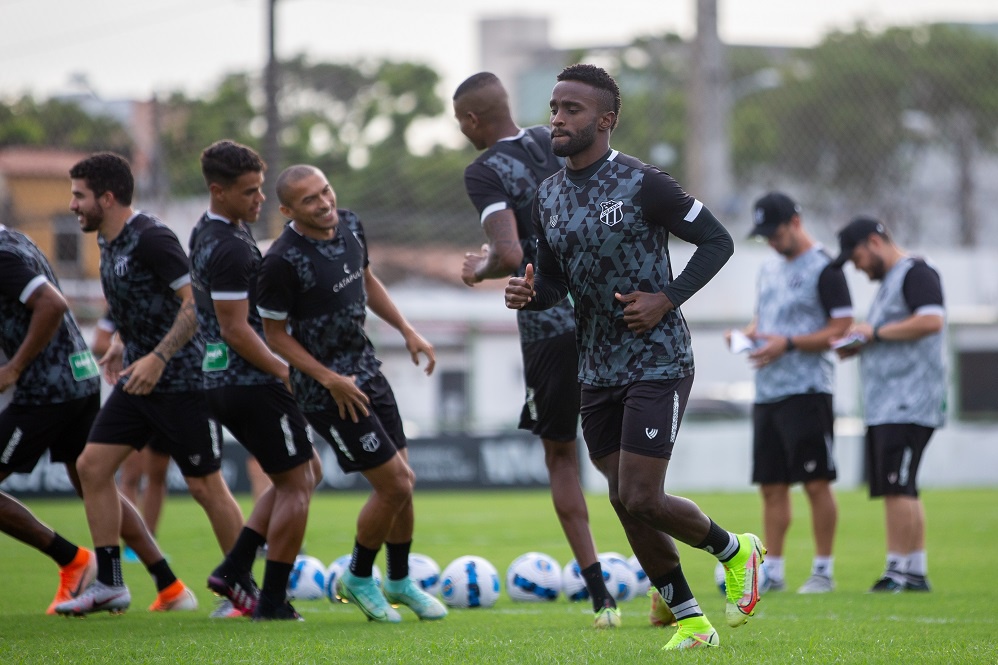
<point x="373" y="440"/>
<point x="179" y="421"/>
<point x="27" y="431"/>
<point x="551" y="372"/>
<point x="792" y="440"/>
<point x="641" y="417"/>
<point x="266" y="420"/>
<point x="893" y="454"/>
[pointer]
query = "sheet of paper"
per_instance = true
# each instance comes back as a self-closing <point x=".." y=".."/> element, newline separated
<point x="741" y="342"/>
<point x="850" y="341"/>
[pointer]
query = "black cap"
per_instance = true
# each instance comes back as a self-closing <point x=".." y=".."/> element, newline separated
<point x="772" y="210"/>
<point x="855" y="232"/>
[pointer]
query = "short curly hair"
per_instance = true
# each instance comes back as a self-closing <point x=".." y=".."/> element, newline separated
<point x="224" y="161"/>
<point x="598" y="78"/>
<point x="106" y="172"/>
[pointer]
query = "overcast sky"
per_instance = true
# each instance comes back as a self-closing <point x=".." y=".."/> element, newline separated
<point x="132" y="48"/>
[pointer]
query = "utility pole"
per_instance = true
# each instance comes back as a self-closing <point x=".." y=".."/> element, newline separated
<point x="269" y="223"/>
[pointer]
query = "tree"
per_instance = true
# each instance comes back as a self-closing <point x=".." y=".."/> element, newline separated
<point x="60" y="123"/>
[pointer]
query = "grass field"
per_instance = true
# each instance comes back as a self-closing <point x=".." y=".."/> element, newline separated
<point x="956" y="623"/>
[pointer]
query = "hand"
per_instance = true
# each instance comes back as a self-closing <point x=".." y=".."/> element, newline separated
<point x="8" y="376"/>
<point x="520" y="290"/>
<point x="859" y="330"/>
<point x="472" y="261"/>
<point x="111" y="362"/>
<point x="415" y="344"/>
<point x="773" y="346"/>
<point x="643" y="311"/>
<point x="348" y="397"/>
<point x="143" y="374"/>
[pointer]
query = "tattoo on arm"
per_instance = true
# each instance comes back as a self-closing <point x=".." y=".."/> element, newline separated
<point x="182" y="330"/>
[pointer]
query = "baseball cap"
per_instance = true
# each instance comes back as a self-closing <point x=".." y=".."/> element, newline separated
<point x="853" y="234"/>
<point x="772" y="210"/>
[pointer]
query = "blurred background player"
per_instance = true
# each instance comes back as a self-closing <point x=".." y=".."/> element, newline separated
<point x="246" y="385"/>
<point x="501" y="184"/>
<point x="802" y="304"/>
<point x="902" y="365"/>
<point x="314" y="289"/>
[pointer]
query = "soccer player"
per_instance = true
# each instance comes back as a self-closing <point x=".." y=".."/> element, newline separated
<point x="55" y="396"/>
<point x="501" y="184"/>
<point x="247" y="385"/>
<point x="902" y="365"/>
<point x="155" y="366"/>
<point x="314" y="287"/>
<point x="803" y="304"/>
<point x="603" y="224"/>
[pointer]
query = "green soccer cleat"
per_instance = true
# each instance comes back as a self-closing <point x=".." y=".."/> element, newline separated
<point x="741" y="579"/>
<point x="607" y="617"/>
<point x="693" y="633"/>
<point x="406" y="592"/>
<point x="365" y="593"/>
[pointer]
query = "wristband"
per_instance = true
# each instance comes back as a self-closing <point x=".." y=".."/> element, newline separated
<point x="790" y="344"/>
<point x="876" y="334"/>
<point x="160" y="356"/>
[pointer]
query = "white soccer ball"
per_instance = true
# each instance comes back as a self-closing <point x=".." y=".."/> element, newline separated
<point x="533" y="577"/>
<point x="622" y="583"/>
<point x="308" y="579"/>
<point x="470" y="581"/>
<point x="425" y="572"/>
<point x="572" y="584"/>
<point x="643" y="582"/>
<point x="335" y="571"/>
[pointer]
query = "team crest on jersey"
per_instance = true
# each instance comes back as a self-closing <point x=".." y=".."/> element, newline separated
<point x="611" y="212"/>
<point x="369" y="442"/>
<point x="554" y="221"/>
<point x="346" y="268"/>
<point x="121" y="266"/>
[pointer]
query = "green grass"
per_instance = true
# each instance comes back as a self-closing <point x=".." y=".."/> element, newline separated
<point x="956" y="623"/>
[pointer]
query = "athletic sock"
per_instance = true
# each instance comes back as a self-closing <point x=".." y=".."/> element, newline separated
<point x="823" y="565"/>
<point x="918" y="563"/>
<point x="362" y="561"/>
<point x="61" y="550"/>
<point x="895" y="566"/>
<point x="275" y="580"/>
<point x="593" y="577"/>
<point x="722" y="544"/>
<point x="242" y="555"/>
<point x="774" y="567"/>
<point x="397" y="560"/>
<point x="162" y="574"/>
<point x="676" y="593"/>
<point x="109" y="565"/>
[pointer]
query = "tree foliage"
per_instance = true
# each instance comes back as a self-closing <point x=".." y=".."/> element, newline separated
<point x="60" y="123"/>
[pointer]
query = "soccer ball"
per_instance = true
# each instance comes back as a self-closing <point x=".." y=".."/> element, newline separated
<point x="470" y="581"/>
<point x="333" y="574"/>
<point x="643" y="582"/>
<point x="533" y="577"/>
<point x="425" y="572"/>
<point x="622" y="583"/>
<point x="572" y="584"/>
<point x="307" y="580"/>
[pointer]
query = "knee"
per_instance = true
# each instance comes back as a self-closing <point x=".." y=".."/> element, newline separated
<point x="638" y="503"/>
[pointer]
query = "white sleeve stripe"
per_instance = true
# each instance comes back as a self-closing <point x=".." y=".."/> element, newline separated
<point x="230" y="295"/>
<point x="183" y="280"/>
<point x="271" y="314"/>
<point x="937" y="310"/>
<point x="841" y="313"/>
<point x="32" y="286"/>
<point x="694" y="211"/>
<point x="495" y="207"/>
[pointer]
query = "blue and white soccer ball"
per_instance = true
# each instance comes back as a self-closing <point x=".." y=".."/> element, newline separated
<point x="425" y="572"/>
<point x="333" y="574"/>
<point x="470" y="581"/>
<point x="307" y="580"/>
<point x="533" y="577"/>
<point x="572" y="584"/>
<point x="621" y="582"/>
<point x="643" y="582"/>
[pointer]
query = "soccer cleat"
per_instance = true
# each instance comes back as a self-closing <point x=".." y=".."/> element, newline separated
<point x="74" y="577"/>
<point x="659" y="614"/>
<point x="98" y="597"/>
<point x="241" y="590"/>
<point x="817" y="584"/>
<point x="175" y="598"/>
<point x="406" y="592"/>
<point x="365" y="593"/>
<point x="607" y="617"/>
<point x="741" y="579"/>
<point x="225" y="610"/>
<point x="267" y="610"/>
<point x="914" y="582"/>
<point x="887" y="584"/>
<point x="693" y="633"/>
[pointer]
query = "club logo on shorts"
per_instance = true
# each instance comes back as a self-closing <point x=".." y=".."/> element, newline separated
<point x="195" y="459"/>
<point x="611" y="212"/>
<point x="651" y="432"/>
<point x="369" y="442"/>
<point x="810" y="466"/>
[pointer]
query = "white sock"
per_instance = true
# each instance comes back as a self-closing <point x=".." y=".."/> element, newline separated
<point x="896" y="566"/>
<point x="823" y="565"/>
<point x="774" y="567"/>
<point x="918" y="563"/>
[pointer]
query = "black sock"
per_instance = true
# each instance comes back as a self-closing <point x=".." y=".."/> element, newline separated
<point x="275" y="580"/>
<point x="61" y="550"/>
<point x="397" y="560"/>
<point x="162" y="574"/>
<point x="362" y="561"/>
<point x="719" y="542"/>
<point x="242" y="555"/>
<point x="593" y="577"/>
<point x="676" y="593"/>
<point x="109" y="565"/>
